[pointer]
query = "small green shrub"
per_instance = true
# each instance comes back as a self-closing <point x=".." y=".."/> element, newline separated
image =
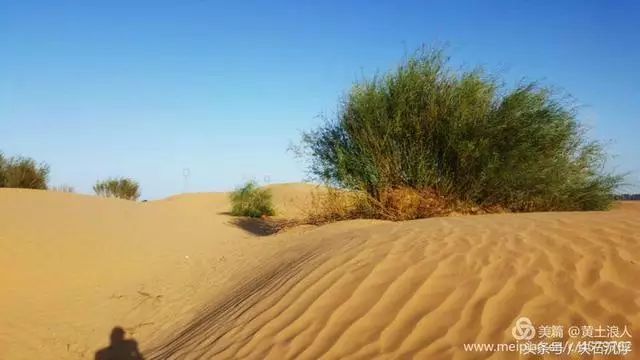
<point x="23" y="172"/>
<point x="250" y="200"/>
<point x="463" y="137"/>
<point x="123" y="188"/>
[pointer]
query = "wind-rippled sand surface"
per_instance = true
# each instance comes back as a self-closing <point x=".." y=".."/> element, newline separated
<point x="186" y="282"/>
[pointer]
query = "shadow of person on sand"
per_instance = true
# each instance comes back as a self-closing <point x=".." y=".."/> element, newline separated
<point x="119" y="348"/>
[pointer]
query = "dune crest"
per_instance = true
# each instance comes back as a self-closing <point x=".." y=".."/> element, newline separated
<point x="187" y="283"/>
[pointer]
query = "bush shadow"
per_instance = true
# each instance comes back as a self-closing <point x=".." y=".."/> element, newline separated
<point x="261" y="226"/>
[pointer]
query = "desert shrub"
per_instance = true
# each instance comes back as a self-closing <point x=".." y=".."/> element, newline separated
<point x="627" y="197"/>
<point x="250" y="200"/>
<point x="63" y="188"/>
<point x="123" y="188"/>
<point x="23" y="172"/>
<point x="462" y="137"/>
<point x="3" y="163"/>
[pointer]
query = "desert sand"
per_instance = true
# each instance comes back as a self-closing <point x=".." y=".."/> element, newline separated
<point x="186" y="281"/>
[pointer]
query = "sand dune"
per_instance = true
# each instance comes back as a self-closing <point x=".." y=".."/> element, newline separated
<point x="186" y="282"/>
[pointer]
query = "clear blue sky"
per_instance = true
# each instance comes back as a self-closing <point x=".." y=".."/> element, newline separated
<point x="146" y="88"/>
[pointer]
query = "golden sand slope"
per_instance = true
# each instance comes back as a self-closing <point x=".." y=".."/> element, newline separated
<point x="187" y="283"/>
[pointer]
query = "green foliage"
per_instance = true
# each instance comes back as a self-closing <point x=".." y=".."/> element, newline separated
<point x="463" y="136"/>
<point x="123" y="188"/>
<point x="23" y="172"/>
<point x="250" y="200"/>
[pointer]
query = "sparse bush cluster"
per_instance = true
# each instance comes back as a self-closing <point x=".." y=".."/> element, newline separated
<point x="424" y="139"/>
<point x="123" y="188"/>
<point x="627" y="197"/>
<point x="63" y="188"/>
<point x="23" y="172"/>
<point x="251" y="200"/>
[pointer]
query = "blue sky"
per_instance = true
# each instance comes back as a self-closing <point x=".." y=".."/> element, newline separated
<point x="147" y="88"/>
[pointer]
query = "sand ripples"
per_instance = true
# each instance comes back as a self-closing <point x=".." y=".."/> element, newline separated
<point x="421" y="289"/>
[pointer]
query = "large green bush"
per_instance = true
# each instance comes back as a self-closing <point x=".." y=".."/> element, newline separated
<point x="464" y="136"/>
<point x="23" y="172"/>
<point x="251" y="200"/>
<point x="122" y="188"/>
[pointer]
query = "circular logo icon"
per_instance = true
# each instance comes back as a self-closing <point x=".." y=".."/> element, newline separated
<point x="524" y="329"/>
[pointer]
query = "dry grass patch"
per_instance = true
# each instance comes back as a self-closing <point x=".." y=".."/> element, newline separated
<point x="397" y="204"/>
